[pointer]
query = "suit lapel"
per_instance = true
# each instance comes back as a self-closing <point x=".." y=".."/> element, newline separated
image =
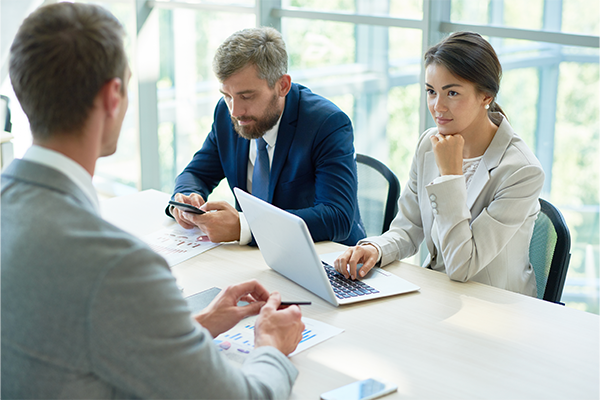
<point x="480" y="178"/>
<point x="285" y="137"/>
<point x="241" y="159"/>
<point x="491" y="159"/>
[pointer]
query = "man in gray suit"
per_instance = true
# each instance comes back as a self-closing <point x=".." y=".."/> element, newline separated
<point x="88" y="311"/>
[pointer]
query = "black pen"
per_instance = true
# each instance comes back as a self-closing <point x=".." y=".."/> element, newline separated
<point x="296" y="303"/>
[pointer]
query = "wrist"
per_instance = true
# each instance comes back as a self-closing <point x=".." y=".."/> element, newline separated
<point x="370" y="245"/>
<point x="265" y="340"/>
<point x="451" y="173"/>
<point x="203" y="319"/>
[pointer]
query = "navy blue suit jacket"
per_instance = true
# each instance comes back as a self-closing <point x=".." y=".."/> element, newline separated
<point x="313" y="173"/>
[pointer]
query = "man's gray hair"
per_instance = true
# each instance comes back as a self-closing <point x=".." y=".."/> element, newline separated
<point x="264" y="47"/>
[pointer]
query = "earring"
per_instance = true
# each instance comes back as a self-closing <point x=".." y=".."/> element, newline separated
<point x="487" y="106"/>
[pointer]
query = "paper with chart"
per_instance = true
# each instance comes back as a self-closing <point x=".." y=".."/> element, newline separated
<point x="177" y="244"/>
<point x="237" y="342"/>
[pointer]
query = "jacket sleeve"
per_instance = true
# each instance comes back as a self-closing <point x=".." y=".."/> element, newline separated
<point x="335" y="205"/>
<point x="468" y="245"/>
<point x="143" y="341"/>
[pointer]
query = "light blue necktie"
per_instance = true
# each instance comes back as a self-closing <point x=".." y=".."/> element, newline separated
<point x="260" y="176"/>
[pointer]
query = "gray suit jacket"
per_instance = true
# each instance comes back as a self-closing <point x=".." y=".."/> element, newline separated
<point x="88" y="311"/>
<point x="480" y="234"/>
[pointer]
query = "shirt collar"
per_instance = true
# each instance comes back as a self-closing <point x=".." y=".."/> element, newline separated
<point x="68" y="167"/>
<point x="270" y="136"/>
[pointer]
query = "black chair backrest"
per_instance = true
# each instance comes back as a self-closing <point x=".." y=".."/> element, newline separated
<point x="5" y="112"/>
<point x="550" y="252"/>
<point x="378" y="193"/>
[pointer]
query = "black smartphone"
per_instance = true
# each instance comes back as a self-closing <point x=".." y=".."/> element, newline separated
<point x="186" y="207"/>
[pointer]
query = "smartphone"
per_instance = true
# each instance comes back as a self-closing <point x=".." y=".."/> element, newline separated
<point x="361" y="390"/>
<point x="186" y="207"/>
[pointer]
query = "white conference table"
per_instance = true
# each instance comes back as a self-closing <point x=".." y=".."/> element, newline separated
<point x="450" y="340"/>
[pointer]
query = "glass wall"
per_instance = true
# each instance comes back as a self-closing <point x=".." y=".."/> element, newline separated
<point x="187" y="88"/>
<point x="120" y="173"/>
<point x="365" y="55"/>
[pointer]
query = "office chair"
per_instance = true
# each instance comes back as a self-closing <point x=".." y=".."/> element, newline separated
<point x="550" y="252"/>
<point x="5" y="113"/>
<point x="378" y="193"/>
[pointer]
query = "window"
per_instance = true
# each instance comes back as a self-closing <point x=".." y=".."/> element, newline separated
<point x="187" y="88"/>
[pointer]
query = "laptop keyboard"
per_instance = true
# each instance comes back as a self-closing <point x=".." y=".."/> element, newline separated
<point x="346" y="288"/>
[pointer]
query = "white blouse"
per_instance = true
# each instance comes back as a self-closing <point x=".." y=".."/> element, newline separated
<point x="469" y="167"/>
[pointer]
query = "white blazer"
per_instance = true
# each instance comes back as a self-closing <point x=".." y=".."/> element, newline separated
<point x="480" y="234"/>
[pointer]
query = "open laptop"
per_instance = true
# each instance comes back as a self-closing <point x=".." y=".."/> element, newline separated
<point x="287" y="247"/>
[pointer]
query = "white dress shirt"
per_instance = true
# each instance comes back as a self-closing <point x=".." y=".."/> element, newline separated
<point x="271" y="138"/>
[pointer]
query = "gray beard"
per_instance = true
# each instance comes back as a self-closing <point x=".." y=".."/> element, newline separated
<point x="262" y="125"/>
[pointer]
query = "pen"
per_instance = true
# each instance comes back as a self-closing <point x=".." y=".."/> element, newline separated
<point x="296" y="303"/>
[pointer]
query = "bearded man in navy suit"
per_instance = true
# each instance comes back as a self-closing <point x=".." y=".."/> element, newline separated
<point x="309" y="141"/>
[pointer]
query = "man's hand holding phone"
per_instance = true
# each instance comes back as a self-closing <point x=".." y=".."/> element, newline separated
<point x="186" y="207"/>
<point x="183" y="203"/>
<point x="218" y="219"/>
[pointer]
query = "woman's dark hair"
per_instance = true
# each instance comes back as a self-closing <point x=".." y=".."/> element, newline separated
<point x="470" y="57"/>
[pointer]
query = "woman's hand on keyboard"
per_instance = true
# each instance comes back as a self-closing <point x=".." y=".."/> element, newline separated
<point x="347" y="264"/>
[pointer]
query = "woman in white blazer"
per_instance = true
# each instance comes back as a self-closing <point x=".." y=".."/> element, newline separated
<point x="473" y="188"/>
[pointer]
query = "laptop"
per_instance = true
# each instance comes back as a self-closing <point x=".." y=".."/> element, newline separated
<point x="287" y="247"/>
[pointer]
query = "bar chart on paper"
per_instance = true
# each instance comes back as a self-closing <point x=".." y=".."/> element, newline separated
<point x="237" y="342"/>
<point x="177" y="244"/>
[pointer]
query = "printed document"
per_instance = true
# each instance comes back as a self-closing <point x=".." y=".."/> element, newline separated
<point x="237" y="342"/>
<point x="177" y="244"/>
